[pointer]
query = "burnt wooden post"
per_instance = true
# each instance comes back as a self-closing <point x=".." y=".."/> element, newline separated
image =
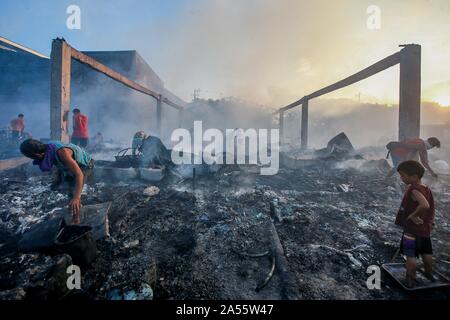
<point x="410" y="92"/>
<point x="180" y="118"/>
<point x="281" y="127"/>
<point x="158" y="115"/>
<point x="60" y="90"/>
<point x="304" y="127"/>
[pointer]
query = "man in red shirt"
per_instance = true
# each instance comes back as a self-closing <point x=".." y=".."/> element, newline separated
<point x="17" y="126"/>
<point x="80" y="135"/>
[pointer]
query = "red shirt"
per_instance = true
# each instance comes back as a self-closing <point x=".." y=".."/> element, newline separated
<point x="408" y="206"/>
<point x="408" y="149"/>
<point x="17" y="124"/>
<point x="405" y="147"/>
<point x="80" y="126"/>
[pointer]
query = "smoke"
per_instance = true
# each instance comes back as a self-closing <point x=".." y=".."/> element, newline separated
<point x="365" y="124"/>
<point x="29" y="98"/>
<point x="257" y="49"/>
<point x="228" y="113"/>
<point x="114" y="110"/>
<point x="274" y="52"/>
<point x="33" y="112"/>
<point x="265" y="51"/>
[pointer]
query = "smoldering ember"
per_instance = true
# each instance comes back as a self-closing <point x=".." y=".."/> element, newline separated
<point x="110" y="190"/>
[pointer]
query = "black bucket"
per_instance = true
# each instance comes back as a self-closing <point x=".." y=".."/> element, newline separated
<point x="77" y="241"/>
<point x="41" y="237"/>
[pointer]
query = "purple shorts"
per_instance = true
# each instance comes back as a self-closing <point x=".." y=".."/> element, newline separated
<point x="413" y="246"/>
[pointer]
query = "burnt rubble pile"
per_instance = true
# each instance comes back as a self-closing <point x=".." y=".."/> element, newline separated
<point x="214" y="239"/>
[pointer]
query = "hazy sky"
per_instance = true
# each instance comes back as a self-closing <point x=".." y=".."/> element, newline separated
<point x="268" y="51"/>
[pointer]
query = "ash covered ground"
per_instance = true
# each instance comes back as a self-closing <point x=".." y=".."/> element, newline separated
<point x="333" y="220"/>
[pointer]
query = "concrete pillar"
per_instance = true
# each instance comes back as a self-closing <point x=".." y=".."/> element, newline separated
<point x="410" y="92"/>
<point x="281" y="127"/>
<point x="158" y="116"/>
<point x="304" y="127"/>
<point x="60" y="90"/>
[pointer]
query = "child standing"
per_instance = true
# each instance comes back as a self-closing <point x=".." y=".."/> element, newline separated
<point x="416" y="217"/>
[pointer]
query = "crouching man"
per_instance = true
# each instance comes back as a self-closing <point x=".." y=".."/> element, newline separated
<point x="74" y="166"/>
<point x="137" y="142"/>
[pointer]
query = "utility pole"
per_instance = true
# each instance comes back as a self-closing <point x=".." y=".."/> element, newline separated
<point x="196" y="94"/>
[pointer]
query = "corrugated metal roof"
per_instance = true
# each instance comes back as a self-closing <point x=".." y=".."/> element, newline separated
<point x="7" y="44"/>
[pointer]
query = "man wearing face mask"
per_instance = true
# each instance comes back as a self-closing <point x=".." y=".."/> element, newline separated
<point x="74" y="165"/>
<point x="411" y="149"/>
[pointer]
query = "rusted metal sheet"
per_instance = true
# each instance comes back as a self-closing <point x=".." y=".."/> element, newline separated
<point x="23" y="48"/>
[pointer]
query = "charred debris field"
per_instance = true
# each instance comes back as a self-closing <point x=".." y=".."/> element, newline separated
<point x="308" y="233"/>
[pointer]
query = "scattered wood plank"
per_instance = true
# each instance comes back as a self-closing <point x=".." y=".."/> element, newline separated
<point x="288" y="282"/>
<point x="13" y="163"/>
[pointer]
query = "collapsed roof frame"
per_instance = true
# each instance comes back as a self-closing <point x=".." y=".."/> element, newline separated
<point x="61" y="58"/>
<point x="409" y="59"/>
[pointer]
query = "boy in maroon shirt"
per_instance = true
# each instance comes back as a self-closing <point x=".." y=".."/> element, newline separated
<point x="416" y="216"/>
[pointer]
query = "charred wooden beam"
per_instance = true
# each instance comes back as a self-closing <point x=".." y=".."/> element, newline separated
<point x="61" y="57"/>
<point x="60" y="90"/>
<point x="94" y="64"/>
<point x="158" y="116"/>
<point x="85" y="59"/>
<point x="384" y="64"/>
<point x="172" y="104"/>
<point x="410" y="92"/>
<point x="288" y="282"/>
<point x="304" y="127"/>
<point x="180" y="117"/>
<point x="292" y="105"/>
<point x="281" y="127"/>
